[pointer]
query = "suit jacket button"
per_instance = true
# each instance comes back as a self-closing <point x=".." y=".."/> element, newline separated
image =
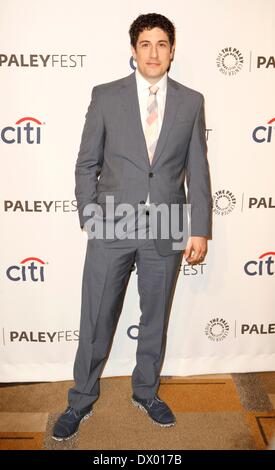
<point x="151" y="175"/>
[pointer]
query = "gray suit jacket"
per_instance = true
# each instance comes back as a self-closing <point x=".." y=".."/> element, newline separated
<point x="113" y="158"/>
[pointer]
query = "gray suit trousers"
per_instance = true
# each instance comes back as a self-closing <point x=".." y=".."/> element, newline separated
<point x="107" y="268"/>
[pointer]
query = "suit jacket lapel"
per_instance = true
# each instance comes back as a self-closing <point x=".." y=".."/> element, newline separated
<point x="170" y="111"/>
<point x="129" y="99"/>
<point x="130" y="103"/>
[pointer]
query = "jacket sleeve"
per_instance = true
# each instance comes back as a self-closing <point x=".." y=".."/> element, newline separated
<point x="198" y="178"/>
<point x="90" y="156"/>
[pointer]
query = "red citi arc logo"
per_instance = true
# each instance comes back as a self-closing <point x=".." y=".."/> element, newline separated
<point x="24" y="132"/>
<point x="29" y="269"/>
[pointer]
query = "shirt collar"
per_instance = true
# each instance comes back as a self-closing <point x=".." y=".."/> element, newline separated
<point x="143" y="84"/>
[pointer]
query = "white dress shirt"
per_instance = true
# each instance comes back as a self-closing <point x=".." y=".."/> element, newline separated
<point x="143" y="94"/>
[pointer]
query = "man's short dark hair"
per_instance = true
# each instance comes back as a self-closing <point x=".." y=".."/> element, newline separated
<point x="150" y="21"/>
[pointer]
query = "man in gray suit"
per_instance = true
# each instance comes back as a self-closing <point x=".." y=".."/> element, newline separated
<point x="143" y="135"/>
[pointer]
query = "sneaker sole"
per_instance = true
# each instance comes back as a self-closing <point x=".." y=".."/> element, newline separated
<point x="141" y="407"/>
<point x="60" y="439"/>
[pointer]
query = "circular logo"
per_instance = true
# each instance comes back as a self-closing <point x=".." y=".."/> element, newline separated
<point x="224" y="202"/>
<point x="217" y="329"/>
<point x="229" y="61"/>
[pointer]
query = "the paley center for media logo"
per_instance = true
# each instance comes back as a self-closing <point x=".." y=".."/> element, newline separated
<point x="224" y="201"/>
<point x="217" y="329"/>
<point x="230" y="61"/>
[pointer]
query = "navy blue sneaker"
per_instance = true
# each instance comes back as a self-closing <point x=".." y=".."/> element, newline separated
<point x="157" y="410"/>
<point x="68" y="423"/>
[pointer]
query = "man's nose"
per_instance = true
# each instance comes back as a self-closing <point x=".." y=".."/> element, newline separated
<point x="154" y="52"/>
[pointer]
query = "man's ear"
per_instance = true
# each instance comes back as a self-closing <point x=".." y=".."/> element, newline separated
<point x="133" y="52"/>
<point x="172" y="53"/>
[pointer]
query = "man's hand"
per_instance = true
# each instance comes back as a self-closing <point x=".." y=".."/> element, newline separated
<point x="195" y="250"/>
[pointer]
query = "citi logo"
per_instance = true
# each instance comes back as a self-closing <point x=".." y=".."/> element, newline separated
<point x="262" y="266"/>
<point x="23" y="132"/>
<point x="29" y="269"/>
<point x="263" y="133"/>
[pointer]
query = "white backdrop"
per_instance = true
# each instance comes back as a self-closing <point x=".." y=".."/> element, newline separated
<point x="51" y="55"/>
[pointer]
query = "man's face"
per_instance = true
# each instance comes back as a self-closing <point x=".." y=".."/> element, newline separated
<point x="153" y="54"/>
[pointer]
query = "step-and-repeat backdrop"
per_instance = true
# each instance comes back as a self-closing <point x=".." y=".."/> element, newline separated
<point x="51" y="55"/>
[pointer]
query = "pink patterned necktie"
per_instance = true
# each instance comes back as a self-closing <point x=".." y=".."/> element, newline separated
<point x="151" y="123"/>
